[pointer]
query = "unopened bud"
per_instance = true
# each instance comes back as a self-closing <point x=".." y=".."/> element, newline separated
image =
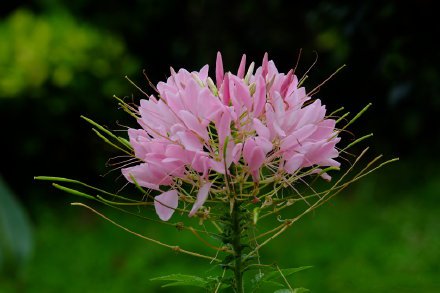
<point x="197" y="79"/>
<point x="212" y="86"/>
<point x="252" y="88"/>
<point x="249" y="72"/>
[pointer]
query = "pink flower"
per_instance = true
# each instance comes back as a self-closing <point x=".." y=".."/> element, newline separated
<point x="194" y="129"/>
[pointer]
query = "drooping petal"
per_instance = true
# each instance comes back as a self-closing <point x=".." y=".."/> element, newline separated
<point x="165" y="204"/>
<point x="324" y="175"/>
<point x="201" y="198"/>
<point x="141" y="175"/>
<point x="253" y="156"/>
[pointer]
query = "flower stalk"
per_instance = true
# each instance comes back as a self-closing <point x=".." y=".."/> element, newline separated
<point x="237" y="228"/>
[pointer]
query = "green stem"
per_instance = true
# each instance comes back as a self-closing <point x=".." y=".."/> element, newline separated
<point x="237" y="246"/>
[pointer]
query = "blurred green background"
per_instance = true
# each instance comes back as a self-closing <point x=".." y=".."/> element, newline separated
<point x="60" y="60"/>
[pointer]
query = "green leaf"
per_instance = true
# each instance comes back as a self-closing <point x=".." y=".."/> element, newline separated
<point x="258" y="282"/>
<point x="272" y="283"/>
<point x="296" y="290"/>
<point x="300" y="290"/>
<point x="182" y="280"/>
<point x="286" y="272"/>
<point x="16" y="241"/>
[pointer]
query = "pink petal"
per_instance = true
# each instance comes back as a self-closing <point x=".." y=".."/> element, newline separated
<point x="208" y="106"/>
<point x="201" y="163"/>
<point x="194" y="124"/>
<point x="236" y="152"/>
<point x="322" y="151"/>
<point x="297" y="137"/>
<point x="141" y="173"/>
<point x="242" y="94"/>
<point x="202" y="196"/>
<point x="177" y="152"/>
<point x="219" y="73"/>
<point x="313" y="113"/>
<point x="261" y="129"/>
<point x="190" y="95"/>
<point x="325" y="130"/>
<point x="242" y="66"/>
<point x="138" y="140"/>
<point x="225" y="91"/>
<point x="287" y="81"/>
<point x="189" y="141"/>
<point x="324" y="175"/>
<point x="253" y="154"/>
<point x="259" y="96"/>
<point x="203" y="73"/>
<point x="264" y="143"/>
<point x="294" y="163"/>
<point x="265" y="66"/>
<point x="272" y="122"/>
<point x="224" y="127"/>
<point x="174" y="101"/>
<point x="165" y="204"/>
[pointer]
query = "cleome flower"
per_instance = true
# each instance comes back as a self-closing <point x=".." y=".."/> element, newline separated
<point x="243" y="129"/>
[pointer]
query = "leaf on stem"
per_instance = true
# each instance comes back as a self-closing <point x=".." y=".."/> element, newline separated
<point x="182" y="280"/>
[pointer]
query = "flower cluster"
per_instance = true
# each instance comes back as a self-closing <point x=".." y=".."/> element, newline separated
<point x="194" y="130"/>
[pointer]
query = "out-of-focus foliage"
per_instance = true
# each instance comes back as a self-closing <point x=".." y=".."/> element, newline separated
<point x="53" y="68"/>
<point x="16" y="239"/>
<point x="39" y="52"/>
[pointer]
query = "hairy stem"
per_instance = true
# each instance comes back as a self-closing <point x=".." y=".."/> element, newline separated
<point x="237" y="247"/>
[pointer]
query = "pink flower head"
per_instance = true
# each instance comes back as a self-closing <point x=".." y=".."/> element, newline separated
<point x="195" y="129"/>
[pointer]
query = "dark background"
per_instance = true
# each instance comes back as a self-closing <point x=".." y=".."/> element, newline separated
<point x="62" y="60"/>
